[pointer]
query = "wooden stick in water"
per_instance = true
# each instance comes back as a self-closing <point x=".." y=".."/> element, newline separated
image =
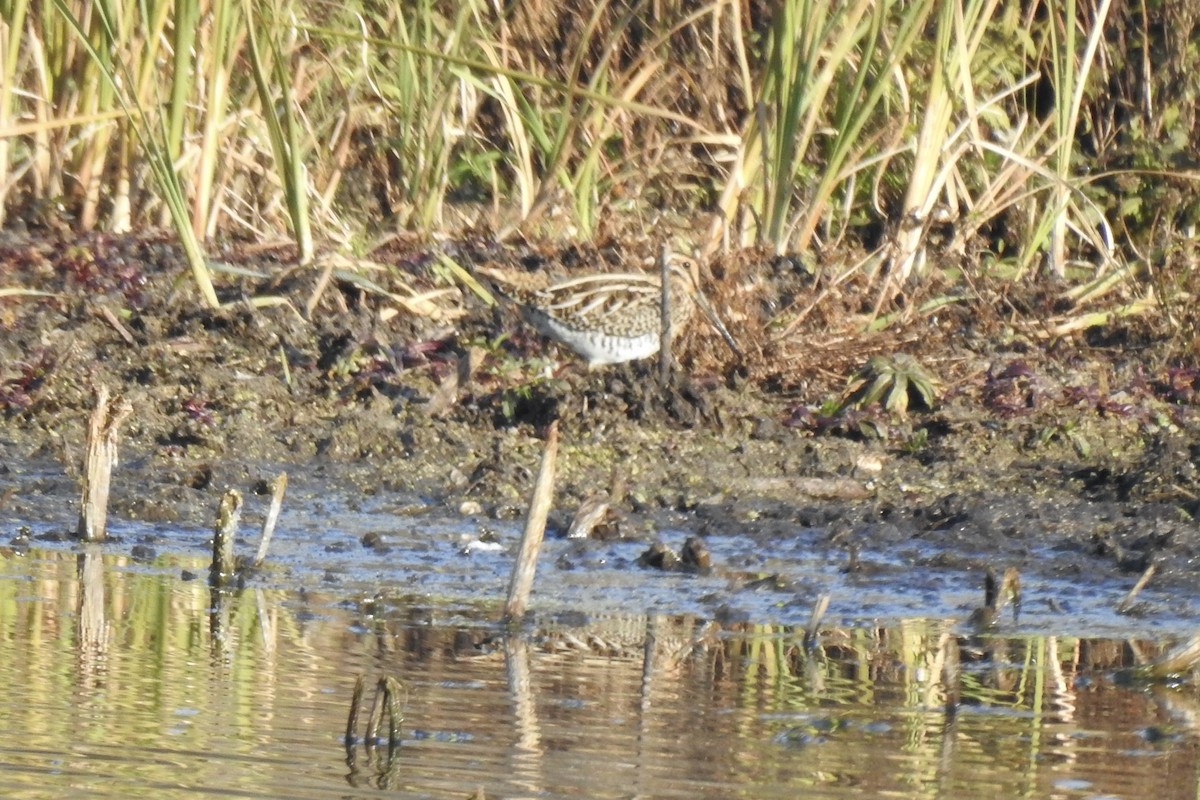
<point x="228" y="515"/>
<point x="813" y="629"/>
<point x="521" y="583"/>
<point x="1127" y="603"/>
<point x="278" y="487"/>
<point x="98" y="464"/>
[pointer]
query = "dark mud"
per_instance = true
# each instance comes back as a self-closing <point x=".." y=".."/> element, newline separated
<point x="1083" y="448"/>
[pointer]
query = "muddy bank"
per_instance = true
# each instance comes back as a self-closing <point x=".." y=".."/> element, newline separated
<point x="1085" y="446"/>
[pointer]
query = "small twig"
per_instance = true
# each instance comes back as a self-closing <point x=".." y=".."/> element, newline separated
<point x="1127" y="603"/>
<point x="278" y="487"/>
<point x="319" y="290"/>
<point x="112" y="320"/>
<point x="98" y="464"/>
<point x="521" y="583"/>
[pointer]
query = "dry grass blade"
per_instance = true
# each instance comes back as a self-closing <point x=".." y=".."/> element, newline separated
<point x="1062" y="326"/>
<point x="419" y="303"/>
<point x="454" y="272"/>
<point x="12" y="291"/>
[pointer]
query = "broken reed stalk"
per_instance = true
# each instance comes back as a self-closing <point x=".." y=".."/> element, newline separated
<point x="229" y="513"/>
<point x="813" y="628"/>
<point x="1127" y="603"/>
<point x="98" y="464"/>
<point x="278" y="487"/>
<point x="665" y="332"/>
<point x="521" y="583"/>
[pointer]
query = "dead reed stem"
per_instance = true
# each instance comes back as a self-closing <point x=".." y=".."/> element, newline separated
<point x="229" y="513"/>
<point x="1126" y="604"/>
<point x="278" y="487"/>
<point x="813" y="629"/>
<point x="521" y="583"/>
<point x="1179" y="660"/>
<point x="99" y="460"/>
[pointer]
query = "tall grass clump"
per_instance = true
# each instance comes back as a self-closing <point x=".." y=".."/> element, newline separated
<point x="427" y="101"/>
<point x="280" y="114"/>
<point x="1070" y="66"/>
<point x="818" y="101"/>
<point x="800" y="126"/>
<point x="571" y="128"/>
<point x="132" y="87"/>
<point x="12" y="23"/>
<point x="900" y="113"/>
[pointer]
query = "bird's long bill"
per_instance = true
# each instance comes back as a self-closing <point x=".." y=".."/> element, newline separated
<point x="702" y="301"/>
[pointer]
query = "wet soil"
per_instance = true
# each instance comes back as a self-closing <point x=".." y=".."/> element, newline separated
<point x="1081" y="445"/>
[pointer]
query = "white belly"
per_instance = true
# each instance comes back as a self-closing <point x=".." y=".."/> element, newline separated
<point x="598" y="347"/>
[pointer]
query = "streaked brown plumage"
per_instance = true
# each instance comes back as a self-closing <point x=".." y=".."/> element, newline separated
<point x="610" y="318"/>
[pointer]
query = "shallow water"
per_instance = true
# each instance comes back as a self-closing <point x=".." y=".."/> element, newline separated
<point x="125" y="677"/>
<point x="121" y="678"/>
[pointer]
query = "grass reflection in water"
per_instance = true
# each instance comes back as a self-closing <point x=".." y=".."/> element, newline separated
<point x="118" y="679"/>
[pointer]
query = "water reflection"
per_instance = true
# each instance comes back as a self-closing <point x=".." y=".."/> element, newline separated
<point x="118" y="678"/>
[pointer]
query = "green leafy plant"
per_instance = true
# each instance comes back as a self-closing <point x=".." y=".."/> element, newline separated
<point x="894" y="383"/>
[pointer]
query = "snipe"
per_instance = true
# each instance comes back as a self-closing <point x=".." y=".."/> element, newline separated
<point x="611" y="318"/>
